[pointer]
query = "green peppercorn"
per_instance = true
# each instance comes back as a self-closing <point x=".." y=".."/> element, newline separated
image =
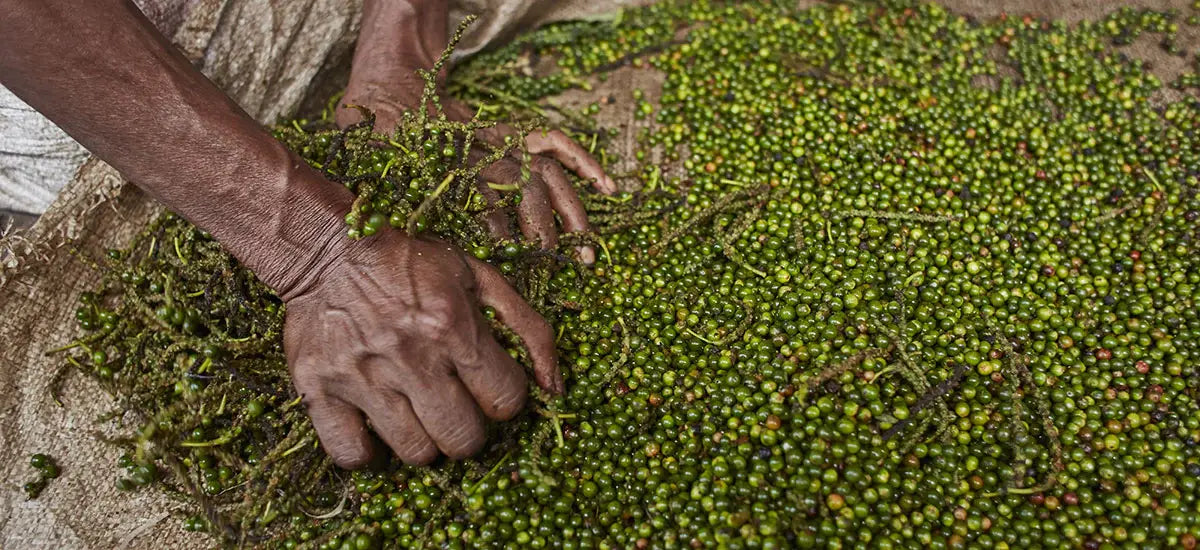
<point x="895" y="278"/>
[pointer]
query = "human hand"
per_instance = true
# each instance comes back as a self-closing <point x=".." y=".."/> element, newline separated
<point x="400" y="38"/>
<point x="544" y="192"/>
<point x="387" y="327"/>
<point x="391" y="329"/>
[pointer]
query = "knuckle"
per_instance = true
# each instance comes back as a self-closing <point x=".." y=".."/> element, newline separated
<point x="311" y="399"/>
<point x="350" y="461"/>
<point x="417" y="453"/>
<point x="437" y="319"/>
<point x="507" y="406"/>
<point x="538" y="189"/>
<point x="315" y="395"/>
<point x="505" y="170"/>
<point x="349" y="453"/>
<point x="307" y="385"/>
<point x="463" y="439"/>
<point x="469" y="357"/>
<point x="322" y="378"/>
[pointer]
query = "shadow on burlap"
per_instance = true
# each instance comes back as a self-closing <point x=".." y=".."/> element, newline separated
<point x="273" y="59"/>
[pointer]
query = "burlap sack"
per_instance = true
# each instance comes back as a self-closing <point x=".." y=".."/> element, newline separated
<point x="273" y="57"/>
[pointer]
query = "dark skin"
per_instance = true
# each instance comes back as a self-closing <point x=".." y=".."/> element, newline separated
<point x="398" y="37"/>
<point x="387" y="329"/>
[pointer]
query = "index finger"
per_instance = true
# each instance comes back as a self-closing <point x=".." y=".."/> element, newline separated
<point x="554" y="143"/>
<point x="534" y="331"/>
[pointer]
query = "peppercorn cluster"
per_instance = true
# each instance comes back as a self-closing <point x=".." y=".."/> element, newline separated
<point x="47" y="470"/>
<point x="905" y="279"/>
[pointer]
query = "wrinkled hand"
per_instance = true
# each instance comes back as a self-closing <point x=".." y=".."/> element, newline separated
<point x="400" y="37"/>
<point x="391" y="332"/>
<point x="546" y="192"/>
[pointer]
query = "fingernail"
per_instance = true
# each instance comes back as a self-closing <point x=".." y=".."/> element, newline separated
<point x="586" y="255"/>
<point x="549" y="383"/>
<point x="607" y="185"/>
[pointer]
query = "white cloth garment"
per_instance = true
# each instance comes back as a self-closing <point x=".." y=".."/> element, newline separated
<point x="36" y="158"/>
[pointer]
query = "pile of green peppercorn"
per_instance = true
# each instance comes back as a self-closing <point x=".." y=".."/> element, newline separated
<point x="921" y="281"/>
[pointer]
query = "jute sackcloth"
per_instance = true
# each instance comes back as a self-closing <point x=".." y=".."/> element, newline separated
<point x="273" y="57"/>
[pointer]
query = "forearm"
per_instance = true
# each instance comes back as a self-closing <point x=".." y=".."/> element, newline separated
<point x="102" y="72"/>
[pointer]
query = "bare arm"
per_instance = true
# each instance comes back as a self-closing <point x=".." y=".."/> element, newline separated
<point x="387" y="328"/>
<point x="102" y="72"/>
